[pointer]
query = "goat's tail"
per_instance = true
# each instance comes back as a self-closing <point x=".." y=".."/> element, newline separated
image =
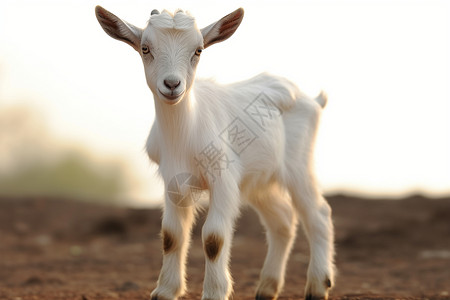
<point x="322" y="99"/>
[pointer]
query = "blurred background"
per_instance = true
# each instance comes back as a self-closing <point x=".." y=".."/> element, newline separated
<point x="75" y="109"/>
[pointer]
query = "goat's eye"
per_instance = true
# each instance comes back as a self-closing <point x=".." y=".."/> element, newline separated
<point x="198" y="51"/>
<point x="145" y="49"/>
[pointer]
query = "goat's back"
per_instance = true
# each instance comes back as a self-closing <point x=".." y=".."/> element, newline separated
<point x="264" y="123"/>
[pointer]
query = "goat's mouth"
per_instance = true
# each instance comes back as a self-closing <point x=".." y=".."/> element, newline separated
<point x="171" y="96"/>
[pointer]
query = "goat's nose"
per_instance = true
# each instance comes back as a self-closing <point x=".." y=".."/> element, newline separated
<point x="171" y="83"/>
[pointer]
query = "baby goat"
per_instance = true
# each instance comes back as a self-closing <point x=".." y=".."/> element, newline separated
<point x="251" y="140"/>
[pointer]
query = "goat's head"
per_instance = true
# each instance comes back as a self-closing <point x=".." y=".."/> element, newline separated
<point x="170" y="46"/>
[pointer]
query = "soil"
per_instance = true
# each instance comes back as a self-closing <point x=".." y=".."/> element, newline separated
<point x="60" y="249"/>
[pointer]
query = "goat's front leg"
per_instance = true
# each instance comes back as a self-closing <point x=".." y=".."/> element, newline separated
<point x="217" y="237"/>
<point x="176" y="232"/>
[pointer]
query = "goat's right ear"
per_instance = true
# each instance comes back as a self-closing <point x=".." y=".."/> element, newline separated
<point x="119" y="29"/>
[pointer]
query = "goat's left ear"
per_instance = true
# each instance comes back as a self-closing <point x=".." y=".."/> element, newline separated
<point x="222" y="29"/>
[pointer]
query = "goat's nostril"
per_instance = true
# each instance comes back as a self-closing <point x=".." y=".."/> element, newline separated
<point x="171" y="83"/>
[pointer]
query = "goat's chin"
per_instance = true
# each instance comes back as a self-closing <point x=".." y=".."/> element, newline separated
<point x="170" y="99"/>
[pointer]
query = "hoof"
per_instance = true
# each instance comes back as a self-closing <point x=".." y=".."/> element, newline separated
<point x="156" y="297"/>
<point x="318" y="291"/>
<point x="264" y="297"/>
<point x="311" y="297"/>
<point x="267" y="289"/>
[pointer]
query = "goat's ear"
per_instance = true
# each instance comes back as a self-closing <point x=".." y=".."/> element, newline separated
<point x="222" y="29"/>
<point x="119" y="29"/>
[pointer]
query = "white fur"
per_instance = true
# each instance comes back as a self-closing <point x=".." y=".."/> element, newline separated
<point x="273" y="172"/>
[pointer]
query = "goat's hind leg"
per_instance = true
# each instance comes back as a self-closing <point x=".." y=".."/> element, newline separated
<point x="275" y="211"/>
<point x="315" y="214"/>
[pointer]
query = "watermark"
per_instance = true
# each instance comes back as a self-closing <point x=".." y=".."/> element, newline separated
<point x="262" y="110"/>
<point x="238" y="136"/>
<point x="184" y="189"/>
<point x="212" y="161"/>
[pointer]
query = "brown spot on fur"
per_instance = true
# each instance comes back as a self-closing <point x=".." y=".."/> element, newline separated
<point x="328" y="283"/>
<point x="168" y="242"/>
<point x="213" y="245"/>
<point x="267" y="289"/>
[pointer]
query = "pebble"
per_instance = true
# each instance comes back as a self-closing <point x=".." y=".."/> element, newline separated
<point x="76" y="250"/>
<point x="43" y="240"/>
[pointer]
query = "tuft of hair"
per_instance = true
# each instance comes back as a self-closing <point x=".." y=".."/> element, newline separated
<point x="166" y="20"/>
<point x="322" y="99"/>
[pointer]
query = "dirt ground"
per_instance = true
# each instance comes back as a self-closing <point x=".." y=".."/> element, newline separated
<point x="59" y="249"/>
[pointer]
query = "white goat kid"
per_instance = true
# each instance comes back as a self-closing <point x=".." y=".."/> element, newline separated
<point x="251" y="140"/>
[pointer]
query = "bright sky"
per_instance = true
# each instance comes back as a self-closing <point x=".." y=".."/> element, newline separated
<point x="384" y="64"/>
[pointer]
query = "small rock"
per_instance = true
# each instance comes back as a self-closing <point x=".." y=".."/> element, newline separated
<point x="435" y="254"/>
<point x="365" y="285"/>
<point x="128" y="286"/>
<point x="76" y="250"/>
<point x="33" y="280"/>
<point x="43" y="240"/>
<point x="21" y="227"/>
<point x="113" y="295"/>
<point x="110" y="226"/>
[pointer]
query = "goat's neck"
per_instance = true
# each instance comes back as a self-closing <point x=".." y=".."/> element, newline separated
<point x="176" y="121"/>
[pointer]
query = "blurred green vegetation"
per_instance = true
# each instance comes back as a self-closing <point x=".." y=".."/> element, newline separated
<point x="35" y="163"/>
<point x="70" y="176"/>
